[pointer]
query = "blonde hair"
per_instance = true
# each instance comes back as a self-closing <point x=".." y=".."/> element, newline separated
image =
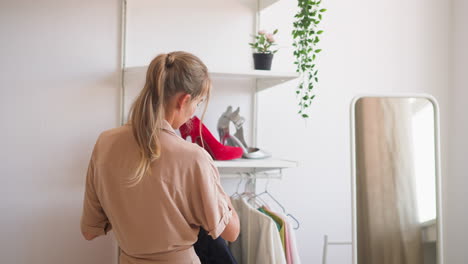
<point x="167" y="75"/>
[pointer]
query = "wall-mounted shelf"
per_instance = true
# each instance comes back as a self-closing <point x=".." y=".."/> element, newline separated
<point x="266" y="79"/>
<point x="259" y="74"/>
<point x="266" y="3"/>
<point x="253" y="166"/>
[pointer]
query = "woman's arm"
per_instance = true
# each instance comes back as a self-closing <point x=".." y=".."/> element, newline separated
<point x="231" y="231"/>
<point x="94" y="221"/>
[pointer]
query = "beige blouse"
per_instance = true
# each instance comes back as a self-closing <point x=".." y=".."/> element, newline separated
<point x="158" y="220"/>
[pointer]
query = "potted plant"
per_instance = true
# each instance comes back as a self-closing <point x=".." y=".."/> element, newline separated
<point x="306" y="35"/>
<point x="262" y="46"/>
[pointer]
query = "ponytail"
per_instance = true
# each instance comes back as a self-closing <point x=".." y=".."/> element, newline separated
<point x="167" y="74"/>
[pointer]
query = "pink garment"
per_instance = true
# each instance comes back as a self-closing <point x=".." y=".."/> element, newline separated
<point x="291" y="244"/>
<point x="287" y="239"/>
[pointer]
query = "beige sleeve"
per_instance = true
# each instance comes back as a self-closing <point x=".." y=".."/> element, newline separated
<point x="209" y="204"/>
<point x="93" y="219"/>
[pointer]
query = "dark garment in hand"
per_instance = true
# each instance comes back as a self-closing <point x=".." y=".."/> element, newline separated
<point x="212" y="251"/>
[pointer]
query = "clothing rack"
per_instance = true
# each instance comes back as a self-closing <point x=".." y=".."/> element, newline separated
<point x="278" y="174"/>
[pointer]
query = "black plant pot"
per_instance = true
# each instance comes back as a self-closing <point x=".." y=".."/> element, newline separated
<point x="262" y="61"/>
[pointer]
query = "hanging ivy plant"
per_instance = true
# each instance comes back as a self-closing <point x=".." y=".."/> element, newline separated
<point x="306" y="35"/>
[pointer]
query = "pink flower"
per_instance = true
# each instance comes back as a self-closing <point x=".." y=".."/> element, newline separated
<point x="262" y="32"/>
<point x="270" y="38"/>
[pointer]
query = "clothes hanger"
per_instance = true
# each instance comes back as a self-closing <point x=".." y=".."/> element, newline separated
<point x="298" y="224"/>
<point x="248" y="194"/>
<point x="265" y="192"/>
<point x="237" y="194"/>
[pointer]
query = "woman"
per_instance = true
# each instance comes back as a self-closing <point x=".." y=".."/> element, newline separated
<point x="154" y="189"/>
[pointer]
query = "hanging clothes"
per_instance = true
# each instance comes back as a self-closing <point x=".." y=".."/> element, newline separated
<point x="278" y="225"/>
<point x="212" y="251"/>
<point x="287" y="243"/>
<point x="294" y="252"/>
<point x="291" y="244"/>
<point x="259" y="241"/>
<point x="279" y="222"/>
<point x="285" y="228"/>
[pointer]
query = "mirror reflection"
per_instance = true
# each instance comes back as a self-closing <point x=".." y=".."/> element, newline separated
<point x="396" y="214"/>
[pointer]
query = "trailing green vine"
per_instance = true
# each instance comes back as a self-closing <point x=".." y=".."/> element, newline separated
<point x="306" y="36"/>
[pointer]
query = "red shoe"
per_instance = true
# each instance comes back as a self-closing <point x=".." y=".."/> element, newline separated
<point x="217" y="150"/>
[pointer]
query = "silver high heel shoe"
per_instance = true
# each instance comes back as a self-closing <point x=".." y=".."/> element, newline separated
<point x="237" y="140"/>
<point x="223" y="125"/>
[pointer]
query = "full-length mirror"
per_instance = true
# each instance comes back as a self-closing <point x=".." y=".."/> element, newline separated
<point x="396" y="205"/>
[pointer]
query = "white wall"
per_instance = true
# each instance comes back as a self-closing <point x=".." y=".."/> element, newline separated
<point x="458" y="180"/>
<point x="60" y="88"/>
<point x="58" y="91"/>
<point x="368" y="47"/>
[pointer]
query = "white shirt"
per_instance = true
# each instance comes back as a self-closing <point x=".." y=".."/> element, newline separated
<point x="259" y="241"/>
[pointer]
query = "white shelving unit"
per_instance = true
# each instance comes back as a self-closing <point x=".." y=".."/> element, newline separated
<point x="263" y="80"/>
<point x="259" y="74"/>
<point x="265" y="168"/>
<point x="239" y="166"/>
